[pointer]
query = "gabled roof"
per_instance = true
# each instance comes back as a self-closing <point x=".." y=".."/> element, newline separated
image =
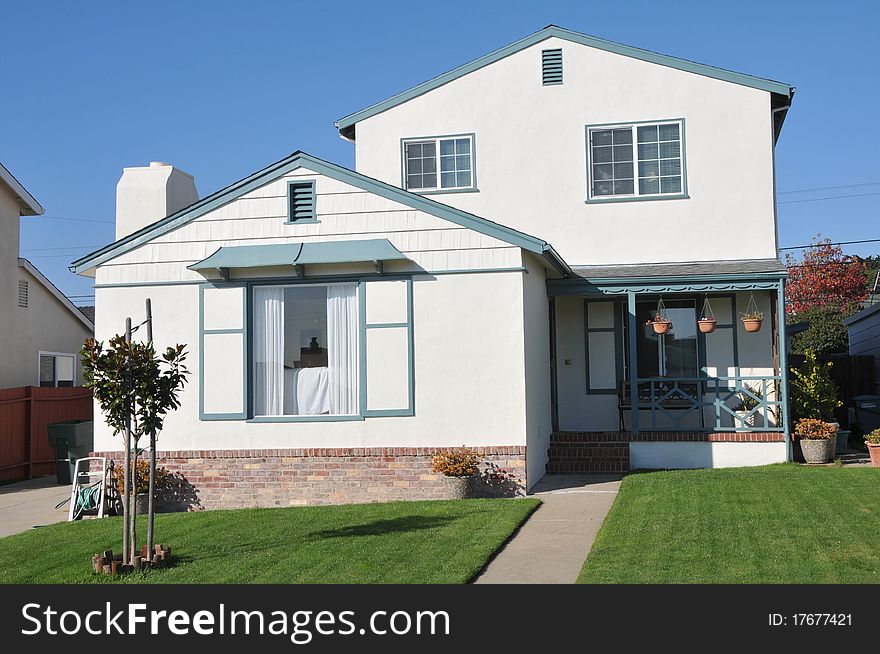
<point x="346" y="124"/>
<point x="27" y="203"/>
<point x="61" y="297"/>
<point x="300" y="159"/>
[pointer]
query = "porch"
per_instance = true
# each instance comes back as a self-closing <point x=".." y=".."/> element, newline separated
<point x="628" y="395"/>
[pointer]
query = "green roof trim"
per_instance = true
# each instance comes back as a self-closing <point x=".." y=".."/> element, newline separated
<point x="301" y="159"/>
<point x="345" y="125"/>
<point x="301" y="254"/>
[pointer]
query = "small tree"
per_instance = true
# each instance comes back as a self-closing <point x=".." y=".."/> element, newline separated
<point x="135" y="390"/>
<point x="813" y="392"/>
<point x="824" y="277"/>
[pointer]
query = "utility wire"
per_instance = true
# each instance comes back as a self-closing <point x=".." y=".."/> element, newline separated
<point x="827" y="188"/>
<point x="78" y="220"/>
<point x="812" y="245"/>
<point x="834" y="197"/>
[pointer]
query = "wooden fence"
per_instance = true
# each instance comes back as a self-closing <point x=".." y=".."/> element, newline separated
<point x="25" y="413"/>
<point x="853" y="374"/>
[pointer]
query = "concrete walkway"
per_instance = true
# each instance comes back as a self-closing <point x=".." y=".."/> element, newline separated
<point x="28" y="504"/>
<point x="550" y="548"/>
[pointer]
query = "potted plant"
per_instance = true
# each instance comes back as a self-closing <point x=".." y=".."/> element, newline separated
<point x="872" y="440"/>
<point x="818" y="440"/>
<point x="813" y="391"/>
<point x="745" y="418"/>
<point x="752" y="321"/>
<point x="842" y="440"/>
<point x="460" y="468"/>
<point x="707" y="321"/>
<point x="142" y="484"/>
<point x="660" y="324"/>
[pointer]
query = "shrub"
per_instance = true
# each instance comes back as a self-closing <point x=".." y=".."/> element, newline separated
<point x="873" y="438"/>
<point x="812" y="429"/>
<point x="826" y="333"/>
<point x="142" y="484"/>
<point x="462" y="462"/>
<point x="813" y="392"/>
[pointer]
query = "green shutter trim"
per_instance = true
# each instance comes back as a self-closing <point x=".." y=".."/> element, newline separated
<point x="245" y="348"/>
<point x="408" y="410"/>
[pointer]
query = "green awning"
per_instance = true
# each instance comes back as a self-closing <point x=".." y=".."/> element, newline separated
<point x="375" y="251"/>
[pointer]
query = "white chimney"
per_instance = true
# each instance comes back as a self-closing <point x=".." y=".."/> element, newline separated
<point x="150" y="193"/>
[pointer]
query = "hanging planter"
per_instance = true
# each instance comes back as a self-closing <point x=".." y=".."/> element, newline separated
<point x="707" y="320"/>
<point x="752" y="319"/>
<point x="661" y="322"/>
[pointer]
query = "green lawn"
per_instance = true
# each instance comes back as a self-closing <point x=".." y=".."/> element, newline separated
<point x="775" y="524"/>
<point x="397" y="542"/>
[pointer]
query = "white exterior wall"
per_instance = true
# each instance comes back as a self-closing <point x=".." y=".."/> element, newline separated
<point x="531" y="155"/>
<point x="469" y="338"/>
<point x="536" y="309"/>
<point x="646" y="456"/>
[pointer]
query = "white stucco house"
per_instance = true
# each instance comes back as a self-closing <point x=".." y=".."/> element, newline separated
<point x="41" y="331"/>
<point x="483" y="278"/>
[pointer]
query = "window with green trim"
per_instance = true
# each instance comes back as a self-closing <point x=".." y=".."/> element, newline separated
<point x="444" y="163"/>
<point x="636" y="161"/>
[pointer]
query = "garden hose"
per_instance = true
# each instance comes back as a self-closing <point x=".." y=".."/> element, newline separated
<point x="87" y="499"/>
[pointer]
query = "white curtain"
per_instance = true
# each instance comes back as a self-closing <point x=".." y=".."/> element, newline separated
<point x="342" y="348"/>
<point x="268" y="351"/>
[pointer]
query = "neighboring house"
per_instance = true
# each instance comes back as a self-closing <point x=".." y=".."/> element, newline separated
<point x="342" y="325"/>
<point x="864" y="336"/>
<point x="41" y="331"/>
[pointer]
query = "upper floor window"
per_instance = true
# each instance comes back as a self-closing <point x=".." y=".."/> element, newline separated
<point x="643" y="160"/>
<point x="57" y="369"/>
<point x="439" y="164"/>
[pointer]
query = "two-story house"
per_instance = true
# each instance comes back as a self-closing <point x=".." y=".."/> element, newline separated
<point x="41" y="331"/>
<point x="544" y="255"/>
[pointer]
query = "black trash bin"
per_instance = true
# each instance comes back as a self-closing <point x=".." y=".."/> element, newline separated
<point x="867" y="410"/>
<point x="72" y="440"/>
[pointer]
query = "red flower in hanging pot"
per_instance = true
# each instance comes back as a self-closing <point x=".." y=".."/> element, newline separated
<point x="660" y="324"/>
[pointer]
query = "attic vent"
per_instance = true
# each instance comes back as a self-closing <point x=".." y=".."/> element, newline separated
<point x="551" y="66"/>
<point x="22" y="293"/>
<point x="301" y="201"/>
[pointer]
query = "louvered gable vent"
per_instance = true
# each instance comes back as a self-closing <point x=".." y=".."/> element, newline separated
<point x="551" y="66"/>
<point x="301" y="201"/>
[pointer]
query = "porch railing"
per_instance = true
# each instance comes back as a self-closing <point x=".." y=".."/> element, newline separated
<point x="709" y="403"/>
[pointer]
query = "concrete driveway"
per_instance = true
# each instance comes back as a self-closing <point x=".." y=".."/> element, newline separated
<point x="31" y="503"/>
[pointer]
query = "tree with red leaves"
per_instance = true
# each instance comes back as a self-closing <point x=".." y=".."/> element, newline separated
<point x="825" y="278"/>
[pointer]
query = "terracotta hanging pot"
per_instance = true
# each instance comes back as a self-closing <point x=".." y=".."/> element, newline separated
<point x="753" y="325"/>
<point x="706" y="325"/>
<point x="661" y="326"/>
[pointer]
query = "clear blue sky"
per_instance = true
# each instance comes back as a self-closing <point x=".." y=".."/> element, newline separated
<point x="221" y="89"/>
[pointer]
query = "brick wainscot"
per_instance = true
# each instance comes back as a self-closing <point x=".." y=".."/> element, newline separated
<point x="228" y="479"/>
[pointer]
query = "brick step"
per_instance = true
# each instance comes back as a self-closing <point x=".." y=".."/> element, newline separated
<point x="589" y="451"/>
<point x="561" y="467"/>
<point x="571" y="437"/>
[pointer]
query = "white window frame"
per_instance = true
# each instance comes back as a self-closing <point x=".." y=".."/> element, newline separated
<point x="42" y="354"/>
<point x="439" y="188"/>
<point x="635" y="195"/>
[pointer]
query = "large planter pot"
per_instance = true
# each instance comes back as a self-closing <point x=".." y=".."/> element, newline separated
<point x="707" y="326"/>
<point x="819" y="450"/>
<point x="874" y="451"/>
<point x="661" y="326"/>
<point x="842" y="441"/>
<point x="460" y="488"/>
<point x="752" y="325"/>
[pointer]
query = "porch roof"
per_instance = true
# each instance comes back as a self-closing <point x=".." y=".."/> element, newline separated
<point x="685" y="276"/>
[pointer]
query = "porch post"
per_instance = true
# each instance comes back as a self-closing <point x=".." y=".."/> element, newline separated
<point x="633" y="363"/>
<point x="783" y="365"/>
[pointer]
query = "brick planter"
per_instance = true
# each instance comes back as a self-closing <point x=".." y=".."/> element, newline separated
<point x="226" y="479"/>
